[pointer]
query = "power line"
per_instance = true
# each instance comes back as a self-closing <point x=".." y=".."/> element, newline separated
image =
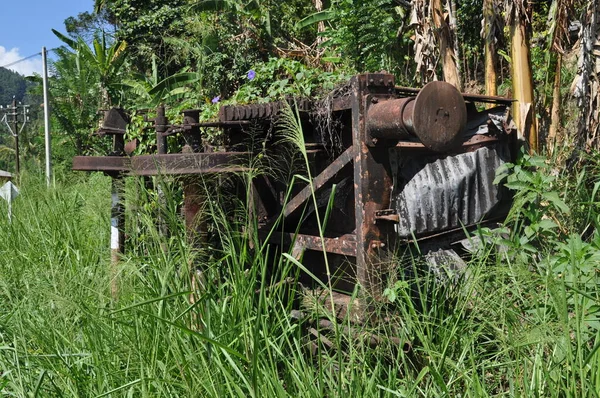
<point x="24" y="59"/>
<point x="20" y="60"/>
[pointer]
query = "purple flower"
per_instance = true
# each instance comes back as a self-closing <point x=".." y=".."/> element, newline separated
<point x="251" y="74"/>
<point x="216" y="99"/>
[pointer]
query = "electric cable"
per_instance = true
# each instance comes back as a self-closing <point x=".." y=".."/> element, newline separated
<point x="26" y="58"/>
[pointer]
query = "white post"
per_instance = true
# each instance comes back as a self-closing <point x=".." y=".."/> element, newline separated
<point x="10" y="199"/>
<point x="46" y="116"/>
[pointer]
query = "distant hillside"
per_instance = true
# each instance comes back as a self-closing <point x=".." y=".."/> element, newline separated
<point x="11" y="84"/>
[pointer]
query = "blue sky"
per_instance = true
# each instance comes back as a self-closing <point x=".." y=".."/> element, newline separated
<point x="25" y="27"/>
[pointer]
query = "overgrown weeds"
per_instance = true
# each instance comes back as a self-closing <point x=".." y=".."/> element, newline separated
<point x="522" y="322"/>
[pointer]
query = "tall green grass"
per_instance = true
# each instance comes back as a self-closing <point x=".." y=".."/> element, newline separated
<point x="522" y="322"/>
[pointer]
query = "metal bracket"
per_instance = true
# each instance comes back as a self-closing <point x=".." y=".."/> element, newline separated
<point x="387" y="215"/>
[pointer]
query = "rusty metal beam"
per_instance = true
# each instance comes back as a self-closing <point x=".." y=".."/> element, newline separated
<point x="475" y="141"/>
<point x="101" y="163"/>
<point x="189" y="163"/>
<point x="344" y="245"/>
<point x="490" y="99"/>
<point x="320" y="180"/>
<point x="165" y="164"/>
<point x="372" y="185"/>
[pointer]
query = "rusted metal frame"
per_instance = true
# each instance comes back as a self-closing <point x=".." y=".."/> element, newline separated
<point x="191" y="131"/>
<point x="473" y="141"/>
<point x="259" y="111"/>
<point x="193" y="195"/>
<point x="345" y="245"/>
<point x="320" y="180"/>
<point x="450" y="232"/>
<point x="264" y="198"/>
<point x="189" y="163"/>
<point x="165" y="164"/>
<point x="372" y="185"/>
<point x="220" y="124"/>
<point x="468" y="97"/>
<point x="436" y="116"/>
<point x="341" y="103"/>
<point x="160" y="126"/>
<point x="193" y="201"/>
<point x="107" y="164"/>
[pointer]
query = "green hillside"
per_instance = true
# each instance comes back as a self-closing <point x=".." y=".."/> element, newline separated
<point x="11" y="84"/>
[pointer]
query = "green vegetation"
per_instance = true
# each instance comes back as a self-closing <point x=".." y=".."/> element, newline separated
<point x="523" y="321"/>
<point x="11" y="85"/>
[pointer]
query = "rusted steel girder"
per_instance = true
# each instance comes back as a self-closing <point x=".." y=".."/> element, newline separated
<point x="160" y="126"/>
<point x="344" y="245"/>
<point x="320" y="180"/>
<point x="489" y="99"/>
<point x="372" y="183"/>
<point x="191" y="131"/>
<point x="165" y="164"/>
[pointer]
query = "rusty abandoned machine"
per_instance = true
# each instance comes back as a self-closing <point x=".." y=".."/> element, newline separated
<point x="408" y="165"/>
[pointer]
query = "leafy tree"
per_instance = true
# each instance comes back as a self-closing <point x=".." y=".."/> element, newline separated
<point x="12" y="85"/>
<point x="87" y="24"/>
<point x="103" y="59"/>
<point x="150" y="91"/>
<point x="518" y="15"/>
<point x="76" y="98"/>
<point x="144" y="24"/>
<point x="367" y="35"/>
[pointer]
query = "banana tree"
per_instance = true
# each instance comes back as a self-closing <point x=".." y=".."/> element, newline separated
<point x="558" y="21"/>
<point x="491" y="31"/>
<point x="587" y="85"/>
<point x="518" y="19"/>
<point x="446" y="39"/>
<point x="75" y="98"/>
<point x="105" y="60"/>
<point x="151" y="91"/>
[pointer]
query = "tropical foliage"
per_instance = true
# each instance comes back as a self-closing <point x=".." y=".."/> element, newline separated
<point x="524" y="321"/>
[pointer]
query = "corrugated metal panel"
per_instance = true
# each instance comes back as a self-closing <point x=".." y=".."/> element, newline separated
<point x="440" y="194"/>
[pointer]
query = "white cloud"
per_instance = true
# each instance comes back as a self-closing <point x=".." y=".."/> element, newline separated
<point x="26" y="67"/>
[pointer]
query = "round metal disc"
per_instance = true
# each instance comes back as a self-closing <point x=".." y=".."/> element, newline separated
<point x="440" y="116"/>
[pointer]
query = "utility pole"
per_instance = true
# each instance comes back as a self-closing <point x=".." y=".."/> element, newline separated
<point x="13" y="115"/>
<point x="46" y="118"/>
<point x="15" y="132"/>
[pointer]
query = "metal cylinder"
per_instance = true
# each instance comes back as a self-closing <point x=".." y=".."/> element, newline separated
<point x="391" y="119"/>
<point x="437" y="116"/>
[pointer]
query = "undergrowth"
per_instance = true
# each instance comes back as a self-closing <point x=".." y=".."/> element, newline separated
<point x="523" y="321"/>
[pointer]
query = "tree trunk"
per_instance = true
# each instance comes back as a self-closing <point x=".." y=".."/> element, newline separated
<point x="453" y="26"/>
<point x="445" y="40"/>
<point x="425" y="48"/>
<point x="320" y="24"/>
<point x="587" y="89"/>
<point x="489" y="40"/>
<point x="523" y="108"/>
<point x="553" y="138"/>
